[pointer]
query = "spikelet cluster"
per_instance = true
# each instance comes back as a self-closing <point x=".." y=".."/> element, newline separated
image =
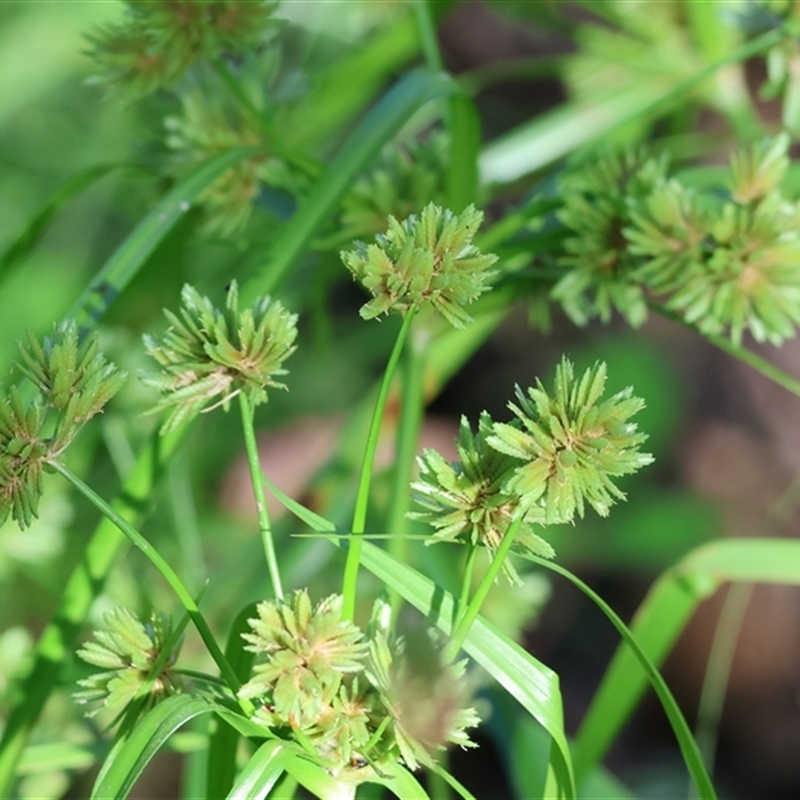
<point x="359" y="702"/>
<point x="73" y="381"/>
<point x="210" y="354"/>
<point x="427" y="259"/>
<point x="561" y="453"/>
<point x="127" y="651"/>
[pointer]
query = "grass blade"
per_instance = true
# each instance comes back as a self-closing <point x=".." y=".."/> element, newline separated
<point x="129" y="257"/>
<point x="387" y="117"/>
<point x="688" y="746"/>
<point x="224" y="741"/>
<point x="663" y="615"/>
<point x="400" y="782"/>
<point x="261" y="773"/>
<point x="557" y="133"/>
<point x="145" y="741"/>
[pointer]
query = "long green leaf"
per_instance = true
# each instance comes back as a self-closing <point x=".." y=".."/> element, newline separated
<point x="129" y="257"/>
<point x="556" y="133"/>
<point x="261" y="773"/>
<point x="400" y="782"/>
<point x="464" y="125"/>
<point x="145" y="741"/>
<point x="387" y="117"/>
<point x="663" y="615"/>
<point x="689" y="749"/>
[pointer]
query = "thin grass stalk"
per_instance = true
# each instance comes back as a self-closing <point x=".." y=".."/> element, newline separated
<point x="158" y="561"/>
<point x="258" y="491"/>
<point x="465" y="619"/>
<point x="718" y="670"/>
<point x="688" y="746"/>
<point x="59" y="638"/>
<point x="362" y="498"/>
<point x="427" y="34"/>
<point x="412" y="405"/>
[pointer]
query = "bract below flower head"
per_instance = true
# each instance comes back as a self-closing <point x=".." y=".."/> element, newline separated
<point x="571" y="444"/>
<point x="209" y="353"/>
<point x="425" y="259"/>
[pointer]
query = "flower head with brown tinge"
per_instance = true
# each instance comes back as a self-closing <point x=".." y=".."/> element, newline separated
<point x="466" y="501"/>
<point x="425" y="259"/>
<point x="210" y="354"/>
<point x="571" y="445"/>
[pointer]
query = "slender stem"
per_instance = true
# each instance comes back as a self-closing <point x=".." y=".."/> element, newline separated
<point x="466" y="584"/>
<point x="412" y="404"/>
<point x="258" y="491"/>
<point x="427" y="34"/>
<point x="465" y="622"/>
<point x="720" y="659"/>
<point x="155" y="558"/>
<point x="362" y="499"/>
<point x="746" y="356"/>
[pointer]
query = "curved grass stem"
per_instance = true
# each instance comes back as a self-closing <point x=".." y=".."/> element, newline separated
<point x="258" y="491"/>
<point x="157" y="560"/>
<point x="362" y="498"/>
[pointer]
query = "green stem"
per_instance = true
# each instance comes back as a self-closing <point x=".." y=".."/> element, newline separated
<point x="155" y="558"/>
<point x="720" y="659"/>
<point x="412" y="404"/>
<point x="466" y="584"/>
<point x="468" y="617"/>
<point x="362" y="499"/>
<point x="746" y="356"/>
<point x="258" y="491"/>
<point x="427" y="34"/>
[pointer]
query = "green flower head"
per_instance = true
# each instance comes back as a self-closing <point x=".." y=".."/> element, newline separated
<point x="308" y="650"/>
<point x="571" y="444"/>
<point x="428" y="258"/>
<point x="159" y="40"/>
<point x="208" y="353"/>
<point x="750" y="279"/>
<point x="403" y="183"/>
<point x="128" y="651"/>
<point x="597" y="203"/>
<point x="467" y="501"/>
<point x="73" y="381"/>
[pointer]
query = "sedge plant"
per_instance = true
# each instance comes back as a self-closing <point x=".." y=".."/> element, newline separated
<point x="298" y="188"/>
